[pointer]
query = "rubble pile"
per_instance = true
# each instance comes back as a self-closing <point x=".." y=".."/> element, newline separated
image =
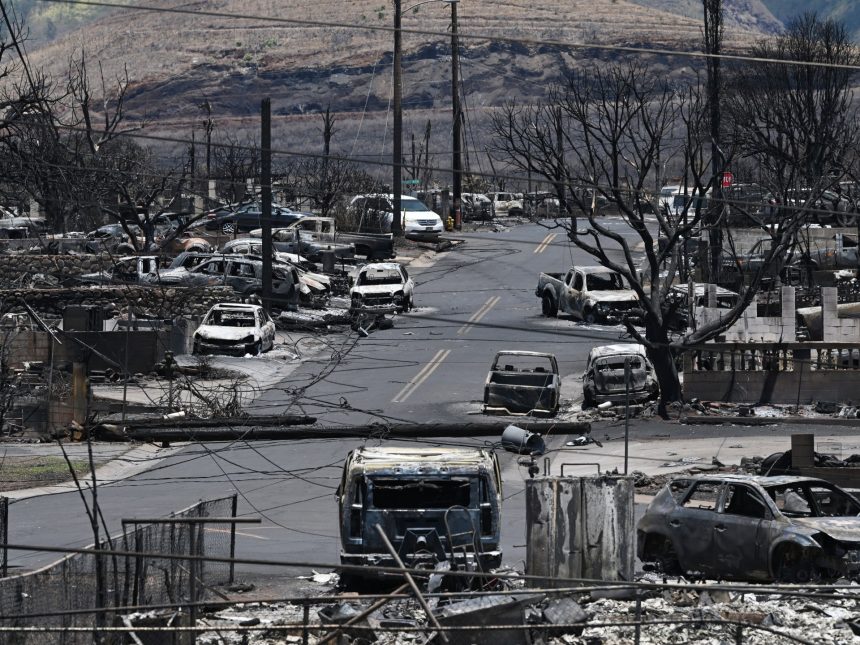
<point x="175" y="301"/>
<point x="668" y="613"/>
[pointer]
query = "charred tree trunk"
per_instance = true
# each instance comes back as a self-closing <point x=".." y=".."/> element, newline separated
<point x="663" y="359"/>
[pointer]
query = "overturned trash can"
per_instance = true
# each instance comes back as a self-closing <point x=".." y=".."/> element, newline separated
<point x="580" y="527"/>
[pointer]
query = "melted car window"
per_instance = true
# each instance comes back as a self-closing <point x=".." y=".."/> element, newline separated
<point x="833" y="503"/>
<point x="791" y="500"/>
<point x="678" y="487"/>
<point x="420" y="493"/>
<point x="704" y="495"/>
<point x="741" y="500"/>
<point x="604" y="281"/>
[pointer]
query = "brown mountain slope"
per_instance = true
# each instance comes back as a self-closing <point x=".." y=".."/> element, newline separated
<point x="175" y="60"/>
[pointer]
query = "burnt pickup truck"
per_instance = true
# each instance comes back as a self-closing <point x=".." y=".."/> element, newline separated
<point x="433" y="504"/>
<point x="311" y="235"/>
<point x="522" y="383"/>
<point x="589" y="293"/>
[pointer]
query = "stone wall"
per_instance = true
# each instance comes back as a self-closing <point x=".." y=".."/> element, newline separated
<point x="16" y="269"/>
<point x="144" y="301"/>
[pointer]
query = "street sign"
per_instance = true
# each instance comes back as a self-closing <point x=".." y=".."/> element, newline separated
<point x="411" y="182"/>
<point x="728" y="179"/>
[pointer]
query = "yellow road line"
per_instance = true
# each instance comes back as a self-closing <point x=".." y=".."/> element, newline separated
<point x="422" y="376"/>
<point x="540" y="248"/>
<point x="478" y="315"/>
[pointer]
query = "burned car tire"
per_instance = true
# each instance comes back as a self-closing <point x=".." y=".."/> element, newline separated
<point x="548" y="307"/>
<point x="124" y="248"/>
<point x="793" y="567"/>
<point x="661" y="551"/>
<point x="589" y="316"/>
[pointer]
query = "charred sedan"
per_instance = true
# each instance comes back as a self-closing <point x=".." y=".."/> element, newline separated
<point x="522" y="383"/>
<point x="788" y="529"/>
<point x="617" y="373"/>
<point x="231" y="328"/>
<point x="381" y="286"/>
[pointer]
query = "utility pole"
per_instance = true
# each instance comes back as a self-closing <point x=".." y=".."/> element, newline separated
<point x="713" y="217"/>
<point x="457" y="161"/>
<point x="397" y="153"/>
<point x="209" y="127"/>
<point x="266" y="187"/>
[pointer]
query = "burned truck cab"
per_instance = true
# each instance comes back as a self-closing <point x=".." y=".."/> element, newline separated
<point x="434" y="505"/>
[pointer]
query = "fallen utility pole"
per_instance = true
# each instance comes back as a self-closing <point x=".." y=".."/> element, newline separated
<point x="248" y="429"/>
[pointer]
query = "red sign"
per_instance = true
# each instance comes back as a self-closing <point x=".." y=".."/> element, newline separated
<point x="728" y="179"/>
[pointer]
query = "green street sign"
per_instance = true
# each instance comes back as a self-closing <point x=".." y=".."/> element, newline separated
<point x="411" y="182"/>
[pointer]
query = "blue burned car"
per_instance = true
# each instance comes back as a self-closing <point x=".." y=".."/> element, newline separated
<point x="433" y="504"/>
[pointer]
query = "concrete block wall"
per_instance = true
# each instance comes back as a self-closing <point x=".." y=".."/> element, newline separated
<point x="750" y="327"/>
<point x="834" y="328"/>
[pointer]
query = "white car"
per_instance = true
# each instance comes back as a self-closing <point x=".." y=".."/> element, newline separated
<point x="507" y="203"/>
<point x="377" y="211"/>
<point x="382" y="285"/>
<point x="232" y="328"/>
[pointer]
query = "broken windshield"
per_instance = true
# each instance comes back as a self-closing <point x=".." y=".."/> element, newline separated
<point x="604" y="281"/>
<point x="230" y="319"/>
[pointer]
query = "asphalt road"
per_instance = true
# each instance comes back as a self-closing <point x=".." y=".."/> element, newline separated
<point x="430" y="366"/>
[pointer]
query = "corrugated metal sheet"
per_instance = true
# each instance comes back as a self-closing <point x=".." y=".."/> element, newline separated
<point x="580" y="527"/>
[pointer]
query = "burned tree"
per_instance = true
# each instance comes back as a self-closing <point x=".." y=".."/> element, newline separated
<point x="236" y="161"/>
<point x="599" y="137"/>
<point x="796" y="120"/>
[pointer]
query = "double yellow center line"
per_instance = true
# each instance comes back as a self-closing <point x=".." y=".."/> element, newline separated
<point x="544" y="245"/>
<point x="422" y="376"/>
<point x="478" y="315"/>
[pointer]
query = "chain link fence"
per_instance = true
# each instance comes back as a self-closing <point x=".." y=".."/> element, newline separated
<point x="49" y="597"/>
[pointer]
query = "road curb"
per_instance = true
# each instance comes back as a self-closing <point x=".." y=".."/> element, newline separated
<point x="768" y="421"/>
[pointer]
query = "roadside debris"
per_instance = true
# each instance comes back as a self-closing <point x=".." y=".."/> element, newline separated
<point x="522" y="383"/>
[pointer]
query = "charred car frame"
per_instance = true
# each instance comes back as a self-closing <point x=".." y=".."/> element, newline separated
<point x="786" y="529"/>
<point x="434" y="505"/>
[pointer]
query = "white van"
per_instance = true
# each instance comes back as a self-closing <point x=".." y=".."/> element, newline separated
<point x="376" y="212"/>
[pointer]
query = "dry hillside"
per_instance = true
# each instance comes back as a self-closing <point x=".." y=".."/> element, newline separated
<point x="175" y="60"/>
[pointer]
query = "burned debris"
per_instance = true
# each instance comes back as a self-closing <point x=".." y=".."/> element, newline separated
<point x="523" y="383"/>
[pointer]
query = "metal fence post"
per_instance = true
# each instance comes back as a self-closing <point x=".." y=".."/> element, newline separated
<point x="306" y="615"/>
<point x="234" y="509"/>
<point x="638" y="628"/>
<point x="192" y="579"/>
<point x="739" y="635"/>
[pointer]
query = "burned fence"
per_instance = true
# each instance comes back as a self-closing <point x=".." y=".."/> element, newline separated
<point x="53" y="597"/>
<point x="789" y="373"/>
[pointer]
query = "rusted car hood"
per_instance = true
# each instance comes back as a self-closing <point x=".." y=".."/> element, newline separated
<point x="622" y="295"/>
<point x="844" y="529"/>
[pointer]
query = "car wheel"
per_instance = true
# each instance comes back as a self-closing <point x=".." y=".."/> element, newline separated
<point x="196" y="349"/>
<point x="548" y="307"/>
<point x="845" y="220"/>
<point x="794" y="566"/>
<point x="661" y="551"/>
<point x="228" y="228"/>
<point x="257" y="349"/>
<point x="409" y="304"/>
<point x="588" y="400"/>
<point x="589" y="316"/>
<point x="124" y="248"/>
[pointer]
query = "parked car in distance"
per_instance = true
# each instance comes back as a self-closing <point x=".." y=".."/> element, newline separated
<point x="247" y="217"/>
<point x="522" y="383"/>
<point x="244" y="274"/>
<point x="678" y="300"/>
<point x="506" y="204"/>
<point x="375" y="213"/>
<point x="605" y="375"/>
<point x="476" y="207"/>
<point x="112" y="238"/>
<point x="382" y="286"/>
<point x="135" y="269"/>
<point x="590" y="293"/>
<point x="187" y="241"/>
<point x="785" y="529"/>
<point x="252" y="246"/>
<point x="421" y="497"/>
<point x="233" y="328"/>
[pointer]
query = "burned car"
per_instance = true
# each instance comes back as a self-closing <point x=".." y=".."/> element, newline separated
<point x="604" y="377"/>
<point x="522" y="383"/>
<point x="382" y="286"/>
<point x="787" y="529"/>
<point x="434" y="505"/>
<point x="235" y="328"/>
